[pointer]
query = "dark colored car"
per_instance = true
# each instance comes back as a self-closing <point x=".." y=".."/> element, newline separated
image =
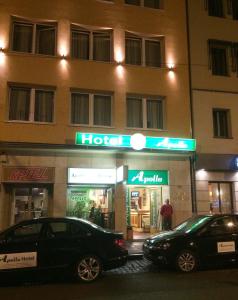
<point x="200" y="240"/>
<point x="58" y="243"/>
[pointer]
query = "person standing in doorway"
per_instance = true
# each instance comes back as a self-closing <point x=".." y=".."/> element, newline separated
<point x="166" y="213"/>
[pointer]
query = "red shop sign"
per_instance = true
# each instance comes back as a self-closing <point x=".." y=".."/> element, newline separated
<point x="28" y="174"/>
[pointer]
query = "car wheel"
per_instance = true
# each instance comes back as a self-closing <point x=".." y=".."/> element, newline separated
<point x="88" y="268"/>
<point x="186" y="261"/>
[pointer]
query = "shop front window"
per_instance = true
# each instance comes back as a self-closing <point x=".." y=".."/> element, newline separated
<point x="93" y="204"/>
<point x="220" y="197"/>
<point x="30" y="202"/>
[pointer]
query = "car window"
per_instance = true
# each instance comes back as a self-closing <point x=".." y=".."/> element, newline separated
<point x="59" y="229"/>
<point x="77" y="229"/>
<point x="223" y="225"/>
<point x="192" y="224"/>
<point x="26" y="232"/>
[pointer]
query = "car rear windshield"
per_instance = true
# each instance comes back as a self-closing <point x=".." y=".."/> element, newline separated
<point x="192" y="224"/>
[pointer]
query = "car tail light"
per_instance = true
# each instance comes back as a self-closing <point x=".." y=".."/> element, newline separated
<point x="119" y="242"/>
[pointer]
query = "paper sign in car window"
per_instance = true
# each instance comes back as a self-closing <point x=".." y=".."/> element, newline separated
<point x="18" y="260"/>
<point x="223" y="247"/>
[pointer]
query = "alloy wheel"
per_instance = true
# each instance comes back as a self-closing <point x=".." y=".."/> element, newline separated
<point x="186" y="262"/>
<point x="88" y="268"/>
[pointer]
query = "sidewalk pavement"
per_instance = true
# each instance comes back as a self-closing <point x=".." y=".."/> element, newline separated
<point x="134" y="248"/>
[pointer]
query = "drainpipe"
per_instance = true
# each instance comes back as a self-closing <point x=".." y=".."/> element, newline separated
<point x="192" y="158"/>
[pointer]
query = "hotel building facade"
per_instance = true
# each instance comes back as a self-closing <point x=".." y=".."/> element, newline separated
<point x="95" y="112"/>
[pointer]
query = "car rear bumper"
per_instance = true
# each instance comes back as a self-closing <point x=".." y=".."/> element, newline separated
<point x="116" y="262"/>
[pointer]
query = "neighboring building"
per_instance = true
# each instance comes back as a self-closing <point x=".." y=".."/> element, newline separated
<point x="103" y="67"/>
<point x="213" y="27"/>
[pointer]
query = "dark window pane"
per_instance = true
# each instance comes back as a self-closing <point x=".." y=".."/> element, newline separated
<point x="154" y="114"/>
<point x="219" y="61"/>
<point x="44" y="106"/>
<point x="45" y="39"/>
<point x="79" y="108"/>
<point x="101" y="46"/>
<point x="220" y="123"/>
<point x="152" y="3"/>
<point x="235" y="9"/>
<point x="133" y="51"/>
<point x="215" y="8"/>
<point x="19" y="107"/>
<point x="133" y="2"/>
<point x="102" y="110"/>
<point x="59" y="229"/>
<point x="134" y="112"/>
<point x="152" y="53"/>
<point x="22" y="37"/>
<point x="80" y="44"/>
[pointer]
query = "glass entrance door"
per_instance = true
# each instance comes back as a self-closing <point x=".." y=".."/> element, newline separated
<point x="29" y="202"/>
<point x="220" y="196"/>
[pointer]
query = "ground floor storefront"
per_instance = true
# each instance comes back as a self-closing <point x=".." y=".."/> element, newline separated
<point x="116" y="189"/>
<point x="217" y="183"/>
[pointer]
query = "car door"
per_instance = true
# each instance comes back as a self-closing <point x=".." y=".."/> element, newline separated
<point x="19" y="247"/>
<point x="60" y="245"/>
<point x="216" y="242"/>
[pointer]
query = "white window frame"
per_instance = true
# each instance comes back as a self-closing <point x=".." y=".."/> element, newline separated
<point x="144" y="111"/>
<point x="32" y="104"/>
<point x="90" y="33"/>
<point x="91" y="107"/>
<point x="143" y="48"/>
<point x="34" y="24"/>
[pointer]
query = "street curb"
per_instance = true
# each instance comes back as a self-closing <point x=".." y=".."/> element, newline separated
<point x="134" y="256"/>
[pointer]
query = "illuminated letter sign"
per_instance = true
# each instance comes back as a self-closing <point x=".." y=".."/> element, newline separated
<point x="99" y="176"/>
<point x="148" y="177"/>
<point x="137" y="142"/>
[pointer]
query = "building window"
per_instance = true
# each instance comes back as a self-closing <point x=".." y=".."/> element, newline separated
<point x="92" y="109"/>
<point x="152" y="3"/>
<point x="145" y="3"/>
<point x="218" y="52"/>
<point x="234" y="7"/>
<point x="143" y="51"/>
<point x="94" y="45"/>
<point x="33" y="38"/>
<point x="31" y="104"/>
<point x="215" y="8"/>
<point x="144" y="112"/>
<point x="221" y="123"/>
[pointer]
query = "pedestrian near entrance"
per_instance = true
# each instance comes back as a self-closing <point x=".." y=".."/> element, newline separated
<point x="92" y="212"/>
<point x="166" y="213"/>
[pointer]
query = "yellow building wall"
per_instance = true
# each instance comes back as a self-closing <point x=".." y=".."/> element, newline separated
<point x="32" y="69"/>
<point x="210" y="91"/>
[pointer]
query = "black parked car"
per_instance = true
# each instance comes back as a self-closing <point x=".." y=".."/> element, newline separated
<point x="200" y="240"/>
<point x="49" y="243"/>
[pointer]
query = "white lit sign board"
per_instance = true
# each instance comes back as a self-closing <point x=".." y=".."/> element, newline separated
<point x="88" y="176"/>
<point x="122" y="173"/>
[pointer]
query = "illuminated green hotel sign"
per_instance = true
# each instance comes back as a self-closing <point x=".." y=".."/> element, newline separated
<point x="148" y="177"/>
<point x="136" y="141"/>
